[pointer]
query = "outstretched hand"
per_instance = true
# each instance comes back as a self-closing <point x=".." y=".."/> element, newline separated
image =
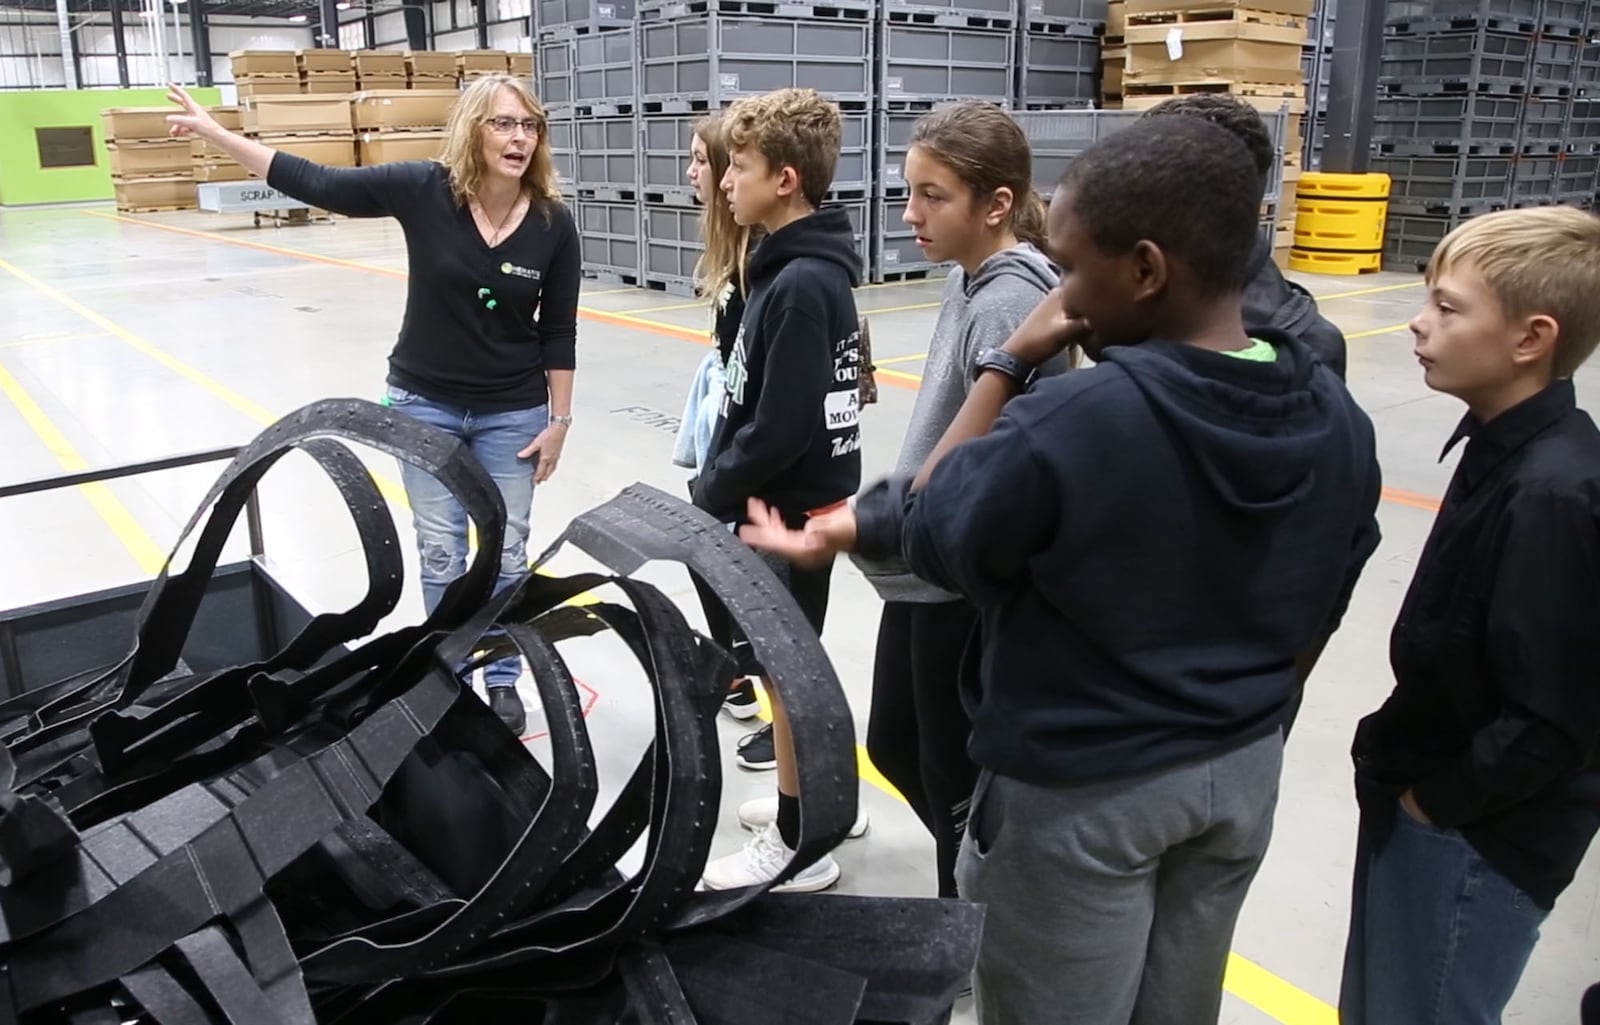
<point x="195" y="119"/>
<point x="822" y="538"/>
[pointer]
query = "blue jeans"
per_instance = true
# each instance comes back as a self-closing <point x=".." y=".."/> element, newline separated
<point x="441" y="522"/>
<point x="1437" y="936"/>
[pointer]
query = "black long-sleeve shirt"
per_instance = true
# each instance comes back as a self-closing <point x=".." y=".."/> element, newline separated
<point x="1494" y="722"/>
<point x="454" y="346"/>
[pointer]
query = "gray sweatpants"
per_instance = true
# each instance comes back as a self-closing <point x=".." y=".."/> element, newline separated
<point x="1115" y="902"/>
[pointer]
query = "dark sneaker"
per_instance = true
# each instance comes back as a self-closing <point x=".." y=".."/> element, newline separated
<point x="741" y="702"/>
<point x="756" y="751"/>
<point x="505" y="703"/>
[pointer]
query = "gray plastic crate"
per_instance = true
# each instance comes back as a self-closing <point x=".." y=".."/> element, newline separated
<point x="1534" y="181"/>
<point x="564" y="155"/>
<point x="1555" y="63"/>
<point x="608" y="158"/>
<point x="839" y="10"/>
<point x="923" y="64"/>
<point x="1564" y="14"/>
<point x="993" y="14"/>
<point x="664" y="153"/>
<point x="1577" y="175"/>
<point x="1432" y="51"/>
<point x="893" y="138"/>
<point x="1410" y="239"/>
<point x="704" y="60"/>
<point x="1445" y="184"/>
<point x="1057" y="137"/>
<point x="894" y="252"/>
<point x="1582" y="131"/>
<point x="604" y="80"/>
<point x="1544" y="120"/>
<point x="552" y="16"/>
<point x="1514" y="10"/>
<point x="671" y="248"/>
<point x="1057" y="70"/>
<point x="554" y="75"/>
<point x="609" y="233"/>
<point x="1465" y="122"/>
<point x="1046" y="12"/>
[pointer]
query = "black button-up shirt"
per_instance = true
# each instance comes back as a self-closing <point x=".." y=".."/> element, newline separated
<point x="1494" y="722"/>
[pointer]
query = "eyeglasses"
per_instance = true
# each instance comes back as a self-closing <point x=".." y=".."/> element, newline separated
<point x="504" y="125"/>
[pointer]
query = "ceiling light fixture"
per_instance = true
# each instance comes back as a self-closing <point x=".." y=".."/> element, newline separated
<point x="298" y="19"/>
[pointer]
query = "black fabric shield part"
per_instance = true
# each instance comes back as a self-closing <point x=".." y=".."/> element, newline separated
<point x="281" y="842"/>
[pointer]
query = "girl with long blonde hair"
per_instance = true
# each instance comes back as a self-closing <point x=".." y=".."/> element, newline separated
<point x="486" y="347"/>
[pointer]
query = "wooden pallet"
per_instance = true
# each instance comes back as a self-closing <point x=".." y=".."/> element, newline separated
<point x="1261" y="95"/>
<point x="1243" y="16"/>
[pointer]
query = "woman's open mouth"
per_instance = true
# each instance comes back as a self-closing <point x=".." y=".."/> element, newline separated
<point x="516" y="160"/>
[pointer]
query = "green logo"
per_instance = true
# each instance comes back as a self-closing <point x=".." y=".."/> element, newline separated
<point x="505" y="268"/>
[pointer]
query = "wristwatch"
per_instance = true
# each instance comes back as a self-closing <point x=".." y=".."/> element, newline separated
<point x="996" y="358"/>
<point x="564" y="421"/>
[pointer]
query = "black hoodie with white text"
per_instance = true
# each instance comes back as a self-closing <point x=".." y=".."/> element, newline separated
<point x="788" y="432"/>
<point x="1151" y="542"/>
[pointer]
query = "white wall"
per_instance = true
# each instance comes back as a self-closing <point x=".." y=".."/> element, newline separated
<point x="30" y="55"/>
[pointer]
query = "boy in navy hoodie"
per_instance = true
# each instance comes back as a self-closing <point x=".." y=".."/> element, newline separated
<point x="1159" y="546"/>
<point x="788" y="433"/>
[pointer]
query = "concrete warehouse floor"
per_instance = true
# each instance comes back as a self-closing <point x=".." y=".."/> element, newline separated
<point x="131" y="338"/>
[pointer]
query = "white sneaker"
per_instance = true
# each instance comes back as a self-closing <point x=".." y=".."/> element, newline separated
<point x="758" y="813"/>
<point x="760" y="861"/>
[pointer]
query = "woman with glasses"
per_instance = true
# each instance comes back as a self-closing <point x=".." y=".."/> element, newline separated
<point x="486" y="343"/>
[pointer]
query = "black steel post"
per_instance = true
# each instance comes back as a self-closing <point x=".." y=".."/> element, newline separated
<point x="1353" y="85"/>
<point x="480" y="8"/>
<point x="328" y="27"/>
<point x="200" y="40"/>
<point x="119" y="40"/>
<point x="416" y="24"/>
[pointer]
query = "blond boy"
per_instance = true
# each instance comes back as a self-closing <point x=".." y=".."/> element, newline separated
<point x="1479" y="778"/>
<point x="788" y="431"/>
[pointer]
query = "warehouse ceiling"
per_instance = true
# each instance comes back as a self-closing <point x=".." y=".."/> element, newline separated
<point x="214" y="8"/>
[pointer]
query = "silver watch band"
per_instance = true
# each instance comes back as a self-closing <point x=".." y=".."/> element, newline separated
<point x="565" y="421"/>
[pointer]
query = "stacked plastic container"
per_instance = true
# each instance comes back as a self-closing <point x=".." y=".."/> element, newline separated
<point x="1481" y="106"/>
<point x="1317" y="61"/>
<point x="587" y="80"/>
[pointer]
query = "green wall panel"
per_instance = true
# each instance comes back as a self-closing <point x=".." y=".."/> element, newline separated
<point x="23" y="181"/>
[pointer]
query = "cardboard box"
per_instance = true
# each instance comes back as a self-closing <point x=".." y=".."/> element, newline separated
<point x="1113" y="61"/>
<point x="481" y="61"/>
<point x="1237" y="51"/>
<point x="520" y="64"/>
<point x="320" y="85"/>
<point x="250" y="88"/>
<point x="328" y="150"/>
<point x="1264" y="97"/>
<point x="380" y="62"/>
<point x="220" y="171"/>
<point x="174" y="193"/>
<point x="391" y="147"/>
<point x="1116" y="18"/>
<point x="402" y="108"/>
<point x="131" y="123"/>
<point x="230" y="118"/>
<point x="263" y="62"/>
<point x="430" y="64"/>
<point x="324" y="61"/>
<point x="139" y="159"/>
<point x="396" y="82"/>
<point x="298" y="114"/>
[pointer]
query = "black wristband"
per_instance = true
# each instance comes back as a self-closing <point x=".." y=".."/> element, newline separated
<point x="1013" y="367"/>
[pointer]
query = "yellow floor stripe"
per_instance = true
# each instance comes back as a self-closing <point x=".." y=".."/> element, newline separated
<point x="1273" y="996"/>
<point x="1374" y="332"/>
<point x="140" y="545"/>
<point x="900" y="359"/>
<point x="1368" y="291"/>
<point x="903" y="309"/>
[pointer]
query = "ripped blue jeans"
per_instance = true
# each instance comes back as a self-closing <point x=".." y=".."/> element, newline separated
<point x="441" y="522"/>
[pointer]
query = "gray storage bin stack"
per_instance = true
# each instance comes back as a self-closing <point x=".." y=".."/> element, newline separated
<point x="929" y="52"/>
<point x="587" y="73"/>
<point x="703" y="55"/>
<point x="1058" y="53"/>
<point x="1480" y="108"/>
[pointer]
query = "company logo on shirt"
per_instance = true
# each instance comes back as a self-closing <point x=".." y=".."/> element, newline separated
<point x="843" y="409"/>
<point x="737" y="375"/>
<point x="520" y="272"/>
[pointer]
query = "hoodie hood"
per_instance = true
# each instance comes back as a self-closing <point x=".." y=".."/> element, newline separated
<point x="1020" y="261"/>
<point x="824" y="235"/>
<point x="1254" y="429"/>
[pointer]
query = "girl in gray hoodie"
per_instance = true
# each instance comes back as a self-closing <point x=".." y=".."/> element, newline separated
<point x="972" y="202"/>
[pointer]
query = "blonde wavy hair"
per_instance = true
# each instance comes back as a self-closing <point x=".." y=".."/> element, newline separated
<point x="727" y="243"/>
<point x="462" y="154"/>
